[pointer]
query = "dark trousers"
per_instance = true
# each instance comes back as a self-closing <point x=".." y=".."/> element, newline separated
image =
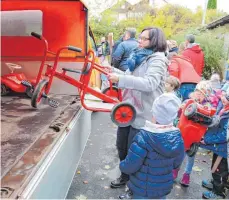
<point x="220" y="175"/>
<point x="125" y="137"/>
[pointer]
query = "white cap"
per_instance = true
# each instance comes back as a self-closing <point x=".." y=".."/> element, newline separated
<point x="165" y="108"/>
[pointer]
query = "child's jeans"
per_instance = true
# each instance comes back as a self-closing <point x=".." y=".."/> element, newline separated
<point x="189" y="164"/>
<point x="185" y="89"/>
<point x="219" y="107"/>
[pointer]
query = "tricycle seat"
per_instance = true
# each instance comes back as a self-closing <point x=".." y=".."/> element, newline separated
<point x="13" y="66"/>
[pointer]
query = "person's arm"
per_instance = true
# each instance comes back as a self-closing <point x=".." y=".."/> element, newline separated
<point x="178" y="161"/>
<point x="117" y="56"/>
<point x="185" y="53"/>
<point x="149" y="82"/>
<point x="219" y="137"/>
<point x="117" y="71"/>
<point x="135" y="157"/>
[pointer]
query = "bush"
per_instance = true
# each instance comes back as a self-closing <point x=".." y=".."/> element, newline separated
<point x="213" y="54"/>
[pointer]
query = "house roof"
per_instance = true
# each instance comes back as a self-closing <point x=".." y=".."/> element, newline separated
<point x="219" y="22"/>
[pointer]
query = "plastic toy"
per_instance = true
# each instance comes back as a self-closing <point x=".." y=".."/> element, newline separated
<point x="16" y="82"/>
<point x="122" y="114"/>
<point x="193" y="124"/>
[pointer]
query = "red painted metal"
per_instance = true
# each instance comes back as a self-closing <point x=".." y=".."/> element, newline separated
<point x="128" y="114"/>
<point x="82" y="84"/>
<point x="70" y="29"/>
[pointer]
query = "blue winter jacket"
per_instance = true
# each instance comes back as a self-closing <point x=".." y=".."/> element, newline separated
<point x="119" y="57"/>
<point x="156" y="150"/>
<point x="216" y="137"/>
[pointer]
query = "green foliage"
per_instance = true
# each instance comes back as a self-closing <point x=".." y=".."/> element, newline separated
<point x="213" y="53"/>
<point x="176" y="21"/>
<point x="212" y="4"/>
<point x="171" y="18"/>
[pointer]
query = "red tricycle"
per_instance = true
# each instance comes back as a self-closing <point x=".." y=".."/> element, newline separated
<point x="16" y="82"/>
<point x="122" y="114"/>
<point x="193" y="124"/>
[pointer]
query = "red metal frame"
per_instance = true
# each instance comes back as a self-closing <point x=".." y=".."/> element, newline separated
<point x="82" y="84"/>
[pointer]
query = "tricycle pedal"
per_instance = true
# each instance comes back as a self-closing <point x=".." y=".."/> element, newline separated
<point x="53" y="103"/>
<point x="26" y="83"/>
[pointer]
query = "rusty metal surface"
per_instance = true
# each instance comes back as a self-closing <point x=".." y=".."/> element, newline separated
<point x="21" y="125"/>
<point x="28" y="135"/>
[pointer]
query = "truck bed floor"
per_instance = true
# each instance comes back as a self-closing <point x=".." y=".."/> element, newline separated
<point x="21" y="125"/>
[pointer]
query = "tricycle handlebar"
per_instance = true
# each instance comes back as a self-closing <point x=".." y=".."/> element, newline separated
<point x="36" y="35"/>
<point x="72" y="48"/>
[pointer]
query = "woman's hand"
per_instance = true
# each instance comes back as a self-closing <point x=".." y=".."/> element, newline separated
<point x="108" y="69"/>
<point x="114" y="78"/>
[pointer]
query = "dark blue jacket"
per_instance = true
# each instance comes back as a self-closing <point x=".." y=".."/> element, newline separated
<point x="156" y="150"/>
<point x="119" y="57"/>
<point x="116" y="44"/>
<point x="216" y="137"/>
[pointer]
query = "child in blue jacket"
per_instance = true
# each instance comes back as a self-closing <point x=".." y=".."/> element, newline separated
<point x="156" y="150"/>
<point x="216" y="140"/>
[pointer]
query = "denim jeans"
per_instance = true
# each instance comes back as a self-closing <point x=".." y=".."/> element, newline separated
<point x="189" y="164"/>
<point x="185" y="89"/>
<point x="219" y="107"/>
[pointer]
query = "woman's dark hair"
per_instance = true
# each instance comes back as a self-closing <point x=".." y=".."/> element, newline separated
<point x="157" y="39"/>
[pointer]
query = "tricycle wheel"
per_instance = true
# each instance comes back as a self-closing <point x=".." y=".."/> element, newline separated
<point x="29" y="91"/>
<point x="39" y="93"/>
<point x="123" y="114"/>
<point x="4" y="90"/>
<point x="193" y="149"/>
<point x="190" y="110"/>
<point x="111" y="92"/>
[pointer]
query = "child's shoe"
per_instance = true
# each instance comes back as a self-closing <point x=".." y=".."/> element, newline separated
<point x="175" y="173"/>
<point x="127" y="195"/>
<point x="207" y="184"/>
<point x="185" y="180"/>
<point x="212" y="195"/>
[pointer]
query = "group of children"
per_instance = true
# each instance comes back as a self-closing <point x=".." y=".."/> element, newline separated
<point x="157" y="151"/>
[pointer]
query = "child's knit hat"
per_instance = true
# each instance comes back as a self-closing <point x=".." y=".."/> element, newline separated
<point x="215" y="81"/>
<point x="165" y="108"/>
<point x="205" y="88"/>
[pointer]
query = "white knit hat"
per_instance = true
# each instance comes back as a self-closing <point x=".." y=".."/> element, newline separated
<point x="165" y="108"/>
